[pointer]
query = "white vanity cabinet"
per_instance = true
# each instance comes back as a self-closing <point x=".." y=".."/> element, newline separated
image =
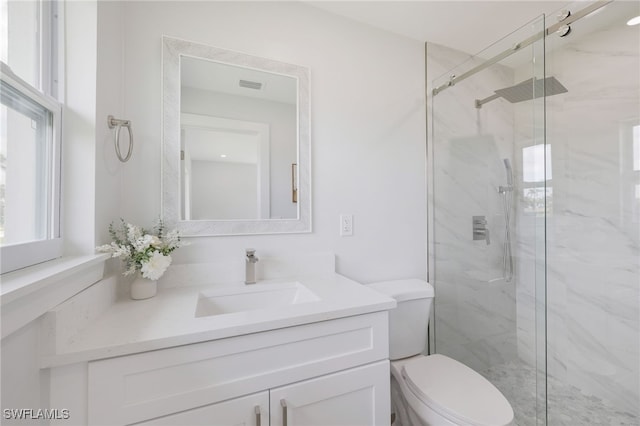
<point x="248" y="410"/>
<point x="348" y="398"/>
<point x="333" y="372"/>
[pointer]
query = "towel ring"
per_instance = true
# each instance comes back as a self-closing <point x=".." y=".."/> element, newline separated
<point x="119" y="124"/>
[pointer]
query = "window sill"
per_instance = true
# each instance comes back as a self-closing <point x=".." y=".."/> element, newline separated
<point x="28" y="293"/>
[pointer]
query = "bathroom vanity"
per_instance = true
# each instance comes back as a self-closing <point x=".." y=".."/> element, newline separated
<point x="309" y="350"/>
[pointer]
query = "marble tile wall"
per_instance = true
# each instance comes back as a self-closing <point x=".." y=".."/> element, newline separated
<point x="475" y="310"/>
<point x="593" y="259"/>
<point x="593" y="255"/>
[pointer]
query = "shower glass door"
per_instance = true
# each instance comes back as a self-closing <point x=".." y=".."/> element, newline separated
<point x="488" y="207"/>
<point x="593" y="226"/>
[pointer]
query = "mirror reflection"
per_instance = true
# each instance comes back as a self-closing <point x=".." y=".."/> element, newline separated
<point x="238" y="142"/>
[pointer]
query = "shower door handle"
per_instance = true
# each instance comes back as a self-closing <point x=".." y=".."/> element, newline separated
<point x="480" y="230"/>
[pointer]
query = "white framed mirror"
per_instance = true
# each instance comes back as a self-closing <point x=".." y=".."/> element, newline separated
<point x="236" y="142"/>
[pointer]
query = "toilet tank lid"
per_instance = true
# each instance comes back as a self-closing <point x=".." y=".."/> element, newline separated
<point x="408" y="289"/>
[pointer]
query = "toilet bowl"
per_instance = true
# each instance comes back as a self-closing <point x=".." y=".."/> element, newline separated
<point x="439" y="390"/>
<point x="433" y="390"/>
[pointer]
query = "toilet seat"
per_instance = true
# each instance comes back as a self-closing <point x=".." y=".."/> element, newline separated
<point x="456" y="392"/>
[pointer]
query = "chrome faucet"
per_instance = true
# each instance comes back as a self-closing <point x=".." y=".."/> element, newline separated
<point x="250" y="266"/>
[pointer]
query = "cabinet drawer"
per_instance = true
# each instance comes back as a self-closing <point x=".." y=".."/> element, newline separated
<point x="148" y="385"/>
<point x="237" y="411"/>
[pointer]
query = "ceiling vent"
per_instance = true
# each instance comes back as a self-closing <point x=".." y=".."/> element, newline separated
<point x="251" y="84"/>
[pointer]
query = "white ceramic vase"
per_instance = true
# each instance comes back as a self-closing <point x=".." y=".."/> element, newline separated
<point x="143" y="288"/>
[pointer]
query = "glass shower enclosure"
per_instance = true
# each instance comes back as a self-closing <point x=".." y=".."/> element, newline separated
<point x="534" y="237"/>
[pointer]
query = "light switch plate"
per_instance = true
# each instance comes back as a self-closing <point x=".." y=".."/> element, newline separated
<point x="346" y="225"/>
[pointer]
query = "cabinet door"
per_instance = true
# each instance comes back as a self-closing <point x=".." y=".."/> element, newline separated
<point x="251" y="410"/>
<point x="359" y="396"/>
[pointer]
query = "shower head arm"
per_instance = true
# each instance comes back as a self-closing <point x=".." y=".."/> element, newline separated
<point x="480" y="102"/>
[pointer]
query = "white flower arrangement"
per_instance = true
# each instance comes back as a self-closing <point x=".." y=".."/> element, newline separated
<point x="140" y="250"/>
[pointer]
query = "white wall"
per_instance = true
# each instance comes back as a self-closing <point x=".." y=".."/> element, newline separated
<point x="109" y="101"/>
<point x="79" y="127"/>
<point x="93" y="90"/>
<point x="368" y="127"/>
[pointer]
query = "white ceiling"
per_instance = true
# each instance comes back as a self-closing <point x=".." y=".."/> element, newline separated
<point x="469" y="26"/>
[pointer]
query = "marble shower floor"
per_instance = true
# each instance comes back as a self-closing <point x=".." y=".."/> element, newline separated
<point x="567" y="405"/>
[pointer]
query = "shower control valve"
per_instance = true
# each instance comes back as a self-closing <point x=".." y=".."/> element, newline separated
<point x="480" y="230"/>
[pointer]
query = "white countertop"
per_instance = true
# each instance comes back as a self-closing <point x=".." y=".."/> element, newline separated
<point x="168" y="319"/>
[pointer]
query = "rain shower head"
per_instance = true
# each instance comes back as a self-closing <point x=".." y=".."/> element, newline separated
<point x="526" y="90"/>
<point x="530" y="89"/>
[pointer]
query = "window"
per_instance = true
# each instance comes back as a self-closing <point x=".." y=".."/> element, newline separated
<point x="536" y="179"/>
<point x="30" y="129"/>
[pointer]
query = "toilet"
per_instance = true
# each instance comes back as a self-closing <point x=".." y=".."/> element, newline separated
<point x="433" y="390"/>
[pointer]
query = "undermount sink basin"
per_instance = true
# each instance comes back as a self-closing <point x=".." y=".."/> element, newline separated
<point x="230" y="299"/>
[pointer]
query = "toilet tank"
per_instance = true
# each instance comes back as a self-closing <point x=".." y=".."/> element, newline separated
<point x="409" y="321"/>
